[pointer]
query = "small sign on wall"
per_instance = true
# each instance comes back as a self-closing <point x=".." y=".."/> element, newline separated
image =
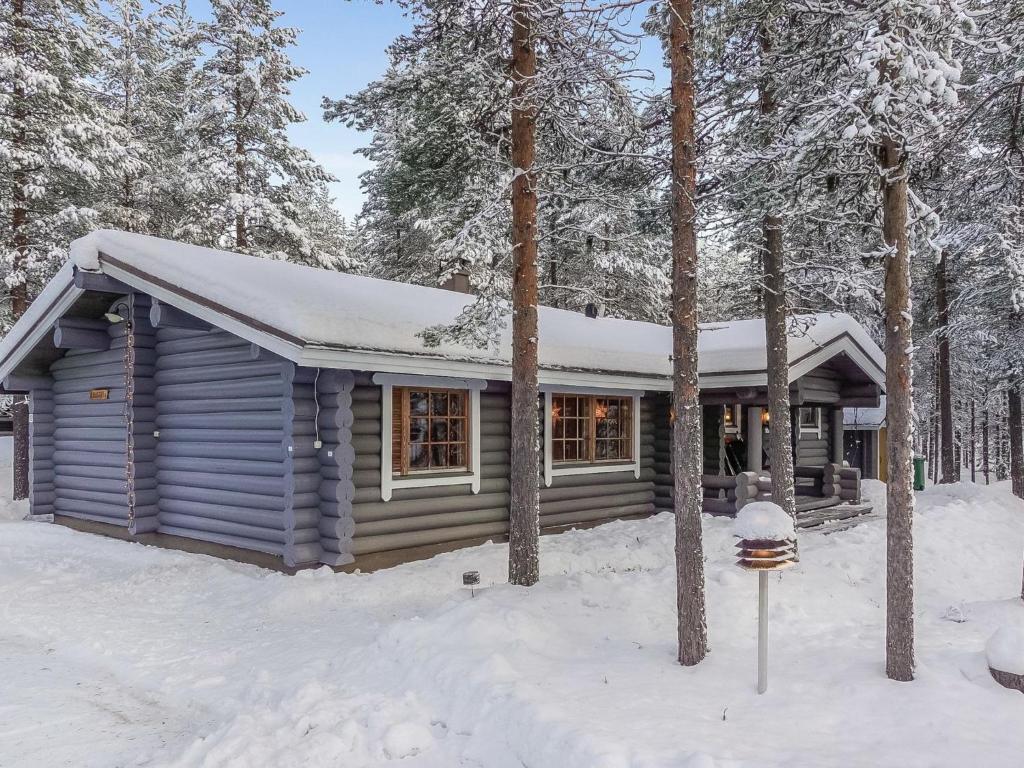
<point x="99" y="394"/>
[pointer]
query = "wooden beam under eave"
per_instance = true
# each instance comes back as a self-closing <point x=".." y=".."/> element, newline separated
<point x="99" y="283"/>
<point x="165" y="316"/>
<point x="81" y="333"/>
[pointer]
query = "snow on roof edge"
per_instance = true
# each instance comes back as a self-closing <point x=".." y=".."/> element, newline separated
<point x="353" y="312"/>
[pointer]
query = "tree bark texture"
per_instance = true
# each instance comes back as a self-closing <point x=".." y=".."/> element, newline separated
<point x="899" y="382"/>
<point x="984" y="443"/>
<point x="687" y="442"/>
<point x="950" y="465"/>
<point x="19" y="245"/>
<point x="524" y="515"/>
<point x="1016" y="449"/>
<point x="973" y="453"/>
<point x="780" y="450"/>
<point x="19" y="412"/>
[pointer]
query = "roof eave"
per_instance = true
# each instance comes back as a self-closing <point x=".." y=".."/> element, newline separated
<point x="56" y="298"/>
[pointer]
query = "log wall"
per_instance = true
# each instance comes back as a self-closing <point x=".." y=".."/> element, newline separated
<point x="576" y="499"/>
<point x="41" y="489"/>
<point x="225" y="464"/>
<point x="336" y="457"/>
<point x="90" y="438"/>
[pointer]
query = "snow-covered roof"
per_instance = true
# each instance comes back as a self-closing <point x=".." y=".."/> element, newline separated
<point x="865" y="418"/>
<point x="331" y="319"/>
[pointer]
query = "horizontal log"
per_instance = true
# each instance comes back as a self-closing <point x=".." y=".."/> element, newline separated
<point x="383" y="510"/>
<point x="593" y="515"/>
<point x="228" y="540"/>
<point x="165" y="316"/>
<point x="337" y="528"/>
<point x="222" y="497"/>
<point x="262" y="484"/>
<point x="370" y="544"/>
<point x="260" y="386"/>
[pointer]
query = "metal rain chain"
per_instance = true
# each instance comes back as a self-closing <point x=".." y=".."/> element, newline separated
<point x="129" y="407"/>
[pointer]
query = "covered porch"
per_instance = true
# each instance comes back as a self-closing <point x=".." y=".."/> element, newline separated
<point x="736" y="427"/>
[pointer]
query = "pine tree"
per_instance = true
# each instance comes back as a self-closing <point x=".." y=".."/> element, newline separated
<point x="438" y="196"/>
<point x="134" y="83"/>
<point x="687" y="455"/>
<point x="250" y="178"/>
<point x="52" y="144"/>
<point x="890" y="87"/>
<point x="52" y="140"/>
<point x="524" y="517"/>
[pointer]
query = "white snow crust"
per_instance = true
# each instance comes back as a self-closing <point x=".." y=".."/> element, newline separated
<point x="1005" y="650"/>
<point x="763" y="520"/>
<point x="113" y="653"/>
<point x="362" y="313"/>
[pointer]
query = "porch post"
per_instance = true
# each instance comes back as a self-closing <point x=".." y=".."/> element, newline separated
<point x="837" y="435"/>
<point x="754" y="438"/>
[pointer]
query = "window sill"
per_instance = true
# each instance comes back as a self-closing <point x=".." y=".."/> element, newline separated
<point x="432" y="479"/>
<point x="594" y="468"/>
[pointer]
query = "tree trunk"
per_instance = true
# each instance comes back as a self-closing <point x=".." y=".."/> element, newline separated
<point x="687" y="443"/>
<point x="1014" y="428"/>
<point x="974" y="444"/>
<point x="19" y="244"/>
<point x="899" y="380"/>
<point x="780" y="451"/>
<point x="984" y="441"/>
<point x="241" y="233"/>
<point x="950" y="465"/>
<point x="524" y="515"/>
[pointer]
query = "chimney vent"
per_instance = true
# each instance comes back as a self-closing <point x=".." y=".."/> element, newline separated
<point x="458" y="281"/>
<point x="593" y="310"/>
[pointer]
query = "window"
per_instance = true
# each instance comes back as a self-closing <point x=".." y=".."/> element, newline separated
<point x="429" y="430"/>
<point x="810" y="420"/>
<point x="430" y="427"/>
<point x="590" y="429"/>
<point x="732" y="418"/>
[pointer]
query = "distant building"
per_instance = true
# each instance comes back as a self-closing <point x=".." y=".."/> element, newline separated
<point x="864" y="441"/>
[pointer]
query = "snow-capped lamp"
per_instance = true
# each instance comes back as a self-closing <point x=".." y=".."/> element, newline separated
<point x="767" y="542"/>
<point x="470" y="581"/>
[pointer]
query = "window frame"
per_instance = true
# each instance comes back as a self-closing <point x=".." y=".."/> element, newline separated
<point x="389" y="482"/>
<point x="552" y="469"/>
<point x="407" y="417"/>
<point x="807" y="428"/>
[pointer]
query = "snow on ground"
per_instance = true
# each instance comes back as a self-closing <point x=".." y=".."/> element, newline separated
<point x="116" y="654"/>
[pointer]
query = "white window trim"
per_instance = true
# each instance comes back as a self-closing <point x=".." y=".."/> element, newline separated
<point x="388" y="482"/>
<point x="551" y="472"/>
<point x="805" y="430"/>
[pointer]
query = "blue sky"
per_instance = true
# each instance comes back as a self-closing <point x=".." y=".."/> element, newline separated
<point x="343" y="44"/>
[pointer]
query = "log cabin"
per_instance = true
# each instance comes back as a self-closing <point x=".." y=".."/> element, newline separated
<point x="294" y="417"/>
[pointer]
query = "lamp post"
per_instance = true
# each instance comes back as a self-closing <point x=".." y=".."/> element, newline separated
<point x="767" y="542"/>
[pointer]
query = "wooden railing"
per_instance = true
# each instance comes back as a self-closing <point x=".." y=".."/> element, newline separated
<point x="727" y="494"/>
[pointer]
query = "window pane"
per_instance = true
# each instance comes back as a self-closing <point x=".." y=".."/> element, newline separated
<point x="456" y="455"/>
<point x="418" y="456"/>
<point x="455" y="404"/>
<point x="439" y="403"/>
<point x="558" y="450"/>
<point x="438" y="456"/>
<point x="436" y="430"/>
<point x="417" y="430"/>
<point x="457" y="430"/>
<point x="418" y="403"/>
